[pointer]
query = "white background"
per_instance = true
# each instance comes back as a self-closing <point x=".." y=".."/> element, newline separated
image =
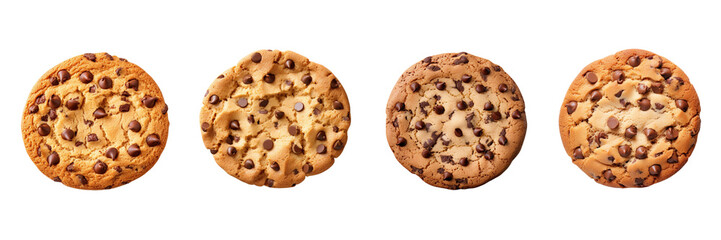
<point x="368" y="45"/>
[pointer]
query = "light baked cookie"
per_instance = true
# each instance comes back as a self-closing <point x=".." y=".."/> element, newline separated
<point x="455" y="120"/>
<point x="275" y="118"/>
<point x="630" y="119"/>
<point x="95" y="121"/>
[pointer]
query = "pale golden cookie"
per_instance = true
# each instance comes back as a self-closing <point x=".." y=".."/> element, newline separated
<point x="95" y="121"/>
<point x="275" y="118"/>
<point x="630" y="119"/>
<point x="455" y="120"/>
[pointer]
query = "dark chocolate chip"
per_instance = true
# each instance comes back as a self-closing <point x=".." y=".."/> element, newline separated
<point x="480" y="88"/>
<point x="477" y="132"/>
<point x="337" y="105"/>
<point x="641" y="152"/>
<point x="650" y="133"/>
<point x="72" y="104"/>
<point x="235" y="125"/>
<point x="466" y="78"/>
<point x="275" y="166"/>
<point x="571" y="107"/>
<point x="420" y="125"/>
<point x="503" y="87"/>
<point x="133" y="84"/>
<point x="608" y="175"/>
<point x="82" y="179"/>
<point x="682" y="104"/>
<point x="401" y="142"/>
<point x="425" y="153"/>
<point x="100" y="167"/>
<point x="247" y="79"/>
<point x="440" y="85"/>
<point x="415" y="87"/>
<point x="624" y="150"/>
<point x="447" y="176"/>
<point x="578" y="153"/>
<point x="105" y="83"/>
<point x="400" y="106"/>
<point x="44" y="129"/>
<point x="231" y="151"/>
<point x="289" y="64"/>
<point x="249" y="164"/>
<point x="99" y="113"/>
<point x="269" y="78"/>
<point x="90" y="56"/>
<point x="458" y="132"/>
<point x="124" y="108"/>
<point x="596" y="95"/>
<point x="488" y="155"/>
<point x="461" y="105"/>
<point x="618" y="76"/>
<point x="671" y="133"/>
<point x="134" y="150"/>
<point x="320" y="136"/>
<point x="153" y="140"/>
<point x="334" y="84"/>
<point x="666" y="73"/>
<point x="488" y="106"/>
<point x="53" y="159"/>
<point x="306" y="79"/>
<point x="338" y="145"/>
<point x="86" y="77"/>
<point x="516" y="114"/>
<point x="644" y="104"/>
<point x="149" y="101"/>
<point x="439" y="109"/>
<point x="642" y="88"/>
<point x="480" y="148"/>
<point x="68" y="134"/>
<point x="135" y="126"/>
<point x="630" y="132"/>
<point x="92" y="137"/>
<point x="256" y="57"/>
<point x="654" y="170"/>
<point x="111" y="153"/>
<point x="634" y="61"/>
<point x="657" y="87"/>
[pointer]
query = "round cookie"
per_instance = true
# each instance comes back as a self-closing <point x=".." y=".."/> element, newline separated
<point x="275" y="118"/>
<point x="455" y="120"/>
<point x="630" y="119"/>
<point x="95" y="121"/>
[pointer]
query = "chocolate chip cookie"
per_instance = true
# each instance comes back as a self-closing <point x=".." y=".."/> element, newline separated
<point x="95" y="121"/>
<point x="455" y="120"/>
<point x="275" y="118"/>
<point x="630" y="119"/>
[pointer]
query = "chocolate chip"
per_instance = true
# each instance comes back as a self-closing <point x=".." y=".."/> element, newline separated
<point x="415" y="87"/>
<point x="666" y="73"/>
<point x="90" y="56"/>
<point x="434" y="68"/>
<point x="100" y="167"/>
<point x="289" y="64"/>
<point x="654" y="170"/>
<point x="591" y="77"/>
<point x="269" y="182"/>
<point x="231" y="151"/>
<point x="334" y="84"/>
<point x="99" y="113"/>
<point x="485" y="71"/>
<point x="420" y="125"/>
<point x="401" y="142"/>
<point x="44" y="129"/>
<point x="268" y="144"/>
<point x="439" y="109"/>
<point x="135" y="126"/>
<point x="134" y="150"/>
<point x="461" y="105"/>
<point x="164" y="110"/>
<point x="124" y="108"/>
<point x="248" y="164"/>
<point x="644" y="104"/>
<point x="153" y="140"/>
<point x="133" y="84"/>
<point x="307" y="168"/>
<point x="488" y="106"/>
<point x="571" y="107"/>
<point x="447" y="176"/>
<point x="33" y="109"/>
<point x="673" y="158"/>
<point x="105" y="83"/>
<point x="516" y="114"/>
<point x="671" y="133"/>
<point x="72" y="104"/>
<point x="82" y="179"/>
<point x="480" y="148"/>
<point x="488" y="155"/>
<point x="596" y="95"/>
<point x="400" y="106"/>
<point x="242" y="102"/>
<point x="618" y="76"/>
<point x="427" y="60"/>
<point x="92" y="137"/>
<point x="425" y="153"/>
<point x="463" y="162"/>
<point x="642" y="88"/>
<point x="641" y="152"/>
<point x="54" y="81"/>
<point x="337" y="105"/>
<point x="612" y="122"/>
<point x="298" y="106"/>
<point x="293" y="130"/>
<point x="502" y="140"/>
<point x="682" y="104"/>
<point x="440" y="85"/>
<point x="68" y="134"/>
<point x="275" y="166"/>
<point x="247" y="79"/>
<point x="70" y="167"/>
<point x="630" y="132"/>
<point x="279" y="114"/>
<point x="320" y="136"/>
<point x="53" y="159"/>
<point x="578" y="153"/>
<point x="235" y="125"/>
<point x="458" y="132"/>
<point x="503" y="87"/>
<point x="608" y="175"/>
<point x="118" y="169"/>
<point x="86" y="77"/>
<point x="495" y="116"/>
<point x="149" y="102"/>
<point x="321" y="149"/>
<point x="659" y="106"/>
<point x="256" y="57"/>
<point x="650" y="133"/>
<point x="338" y="145"/>
<point x="657" y="87"/>
<point x="480" y="88"/>
<point x="269" y="78"/>
<point x="624" y="150"/>
<point x="477" y="132"/>
<point x="461" y="60"/>
<point x="111" y="153"/>
<point x="466" y="78"/>
<point x="618" y="94"/>
<point x="634" y="61"/>
<point x="52" y="115"/>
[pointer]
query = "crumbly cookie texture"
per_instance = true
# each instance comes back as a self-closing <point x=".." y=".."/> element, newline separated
<point x="275" y="118"/>
<point x="455" y="120"/>
<point x="630" y="119"/>
<point x="95" y="121"/>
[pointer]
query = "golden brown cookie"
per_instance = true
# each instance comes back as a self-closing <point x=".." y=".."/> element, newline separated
<point x="95" y="121"/>
<point x="275" y="118"/>
<point x="455" y="120"/>
<point x="630" y="119"/>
